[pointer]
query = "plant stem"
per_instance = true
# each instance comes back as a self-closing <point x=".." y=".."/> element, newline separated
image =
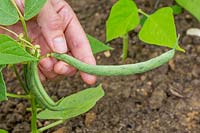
<point x="30" y="109"/>
<point x="25" y="28"/>
<point x="32" y="100"/>
<point x="51" y="125"/>
<point x="6" y="29"/>
<point x="18" y="96"/>
<point x="21" y="19"/>
<point x="33" y="115"/>
<point x="30" y="45"/>
<point x="143" y="13"/>
<point x="20" y="38"/>
<point x="125" y="46"/>
<point x="157" y="4"/>
<point x="19" y="78"/>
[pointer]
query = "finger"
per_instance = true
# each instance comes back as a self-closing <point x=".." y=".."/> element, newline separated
<point x="52" y="27"/>
<point x="46" y="67"/>
<point x="59" y="5"/>
<point x="68" y="17"/>
<point x="64" y="69"/>
<point x="38" y="38"/>
<point x="90" y="79"/>
<point x="42" y="77"/>
<point x="80" y="47"/>
<point x="64" y="10"/>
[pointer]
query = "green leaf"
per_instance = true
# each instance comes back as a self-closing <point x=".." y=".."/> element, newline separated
<point x="8" y="13"/>
<point x="97" y="46"/>
<point x="11" y="52"/>
<point x="123" y="18"/>
<point x="32" y="8"/>
<point x="78" y="103"/>
<point x="3" y="96"/>
<point x="176" y="9"/>
<point x="191" y="6"/>
<point x="3" y="131"/>
<point x="159" y="29"/>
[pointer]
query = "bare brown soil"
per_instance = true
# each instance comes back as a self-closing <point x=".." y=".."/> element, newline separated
<point x="163" y="100"/>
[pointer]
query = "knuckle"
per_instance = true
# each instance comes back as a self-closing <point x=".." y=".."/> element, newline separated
<point x="55" y="23"/>
<point x="76" y="44"/>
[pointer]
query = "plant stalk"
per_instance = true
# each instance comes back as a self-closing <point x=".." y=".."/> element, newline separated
<point x="125" y="46"/>
<point x="16" y="35"/>
<point x="32" y="100"/>
<point x="143" y="13"/>
<point x="51" y="125"/>
<point x="33" y="115"/>
<point x="18" y="96"/>
<point x="18" y="77"/>
<point x="22" y="20"/>
<point x="25" y="28"/>
<point x="10" y="31"/>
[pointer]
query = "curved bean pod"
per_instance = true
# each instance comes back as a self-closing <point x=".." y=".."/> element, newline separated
<point x="116" y="70"/>
<point x="36" y="89"/>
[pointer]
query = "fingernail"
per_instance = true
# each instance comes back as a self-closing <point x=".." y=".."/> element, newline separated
<point x="60" y="45"/>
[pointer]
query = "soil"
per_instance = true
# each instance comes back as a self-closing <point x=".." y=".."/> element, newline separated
<point x="166" y="99"/>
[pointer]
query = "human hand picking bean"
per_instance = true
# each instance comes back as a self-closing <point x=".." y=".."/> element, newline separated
<point x="57" y="29"/>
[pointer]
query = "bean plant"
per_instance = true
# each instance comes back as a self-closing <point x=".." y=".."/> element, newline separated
<point x="157" y="28"/>
<point x="21" y="50"/>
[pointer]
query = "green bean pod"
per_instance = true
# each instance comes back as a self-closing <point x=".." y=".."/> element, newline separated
<point x="26" y="89"/>
<point x="116" y="70"/>
<point x="36" y="89"/>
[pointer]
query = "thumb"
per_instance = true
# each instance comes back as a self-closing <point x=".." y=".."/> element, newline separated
<point x="52" y="28"/>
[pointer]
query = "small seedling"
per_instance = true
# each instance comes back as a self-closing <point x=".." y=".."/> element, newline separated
<point x="157" y="28"/>
<point x="23" y="51"/>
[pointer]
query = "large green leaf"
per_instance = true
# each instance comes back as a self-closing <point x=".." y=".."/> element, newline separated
<point x="123" y="18"/>
<point x="97" y="46"/>
<point x="8" y="13"/>
<point x="159" y="29"/>
<point x="11" y="52"/>
<point x="192" y="6"/>
<point x="32" y="8"/>
<point x="3" y="96"/>
<point x="78" y="103"/>
<point x="3" y="131"/>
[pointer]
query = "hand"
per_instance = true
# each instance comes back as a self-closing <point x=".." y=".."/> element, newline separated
<point x="57" y="29"/>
